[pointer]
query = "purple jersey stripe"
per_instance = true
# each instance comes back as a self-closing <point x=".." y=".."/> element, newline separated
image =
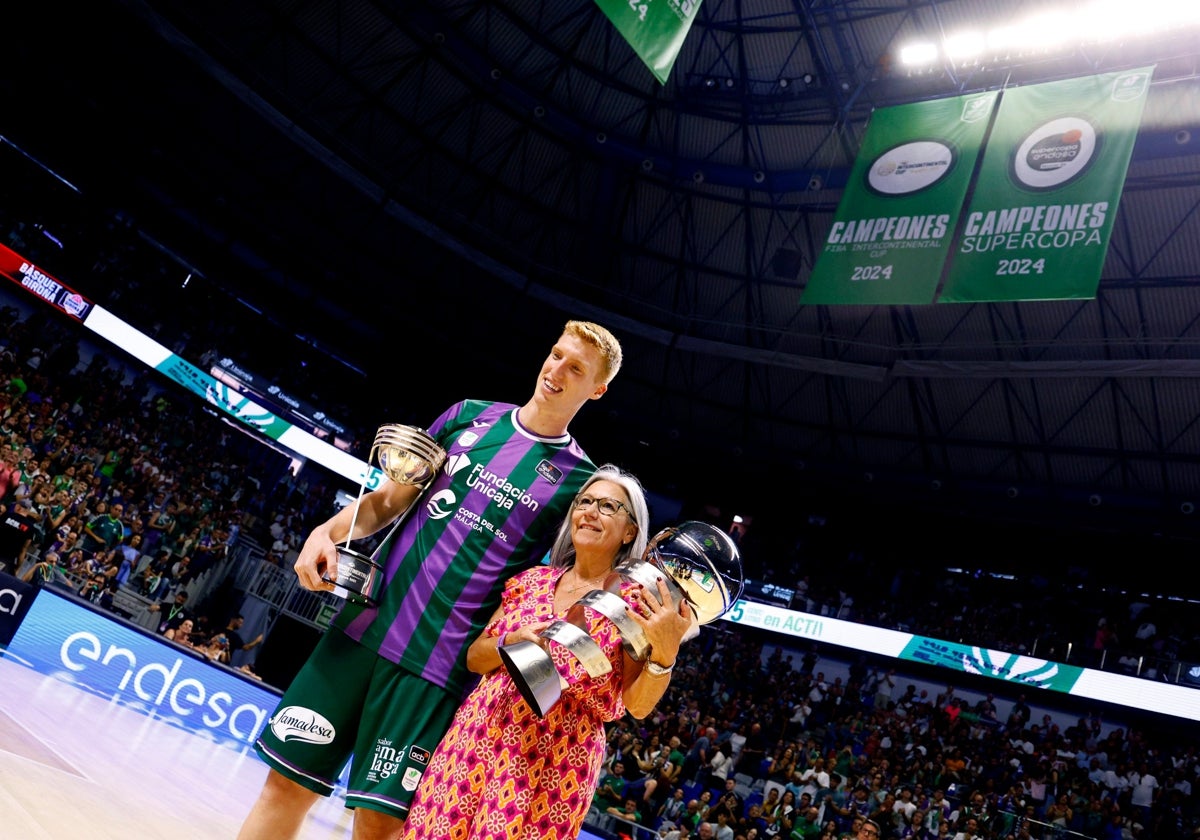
<point x="445" y="552"/>
<point x="482" y="587"/>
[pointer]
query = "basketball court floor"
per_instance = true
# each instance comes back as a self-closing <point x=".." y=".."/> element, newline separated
<point x="76" y="765"/>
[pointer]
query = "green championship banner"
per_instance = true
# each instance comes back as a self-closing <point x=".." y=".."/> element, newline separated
<point x="894" y="225"/>
<point x="1042" y="210"/>
<point x="654" y="28"/>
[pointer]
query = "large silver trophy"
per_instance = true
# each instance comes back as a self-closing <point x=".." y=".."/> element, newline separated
<point x="698" y="562"/>
<point x="406" y="455"/>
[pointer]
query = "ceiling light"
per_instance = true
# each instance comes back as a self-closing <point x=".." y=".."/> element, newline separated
<point x="918" y="54"/>
<point x="965" y="46"/>
<point x="1098" y="22"/>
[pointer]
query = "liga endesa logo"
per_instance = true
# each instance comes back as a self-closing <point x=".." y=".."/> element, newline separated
<point x="1055" y="153"/>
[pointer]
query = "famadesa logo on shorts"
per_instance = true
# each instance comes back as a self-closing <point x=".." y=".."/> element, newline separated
<point x="296" y="723"/>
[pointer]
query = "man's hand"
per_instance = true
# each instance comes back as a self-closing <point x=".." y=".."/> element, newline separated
<point x="317" y="561"/>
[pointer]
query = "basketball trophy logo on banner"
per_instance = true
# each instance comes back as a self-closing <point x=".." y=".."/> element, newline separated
<point x="697" y="561"/>
<point x="406" y="455"/>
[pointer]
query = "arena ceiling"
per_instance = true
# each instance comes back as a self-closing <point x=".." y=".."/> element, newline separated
<point x="428" y="189"/>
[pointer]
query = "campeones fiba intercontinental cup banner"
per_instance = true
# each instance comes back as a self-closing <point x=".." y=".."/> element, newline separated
<point x="1051" y="162"/>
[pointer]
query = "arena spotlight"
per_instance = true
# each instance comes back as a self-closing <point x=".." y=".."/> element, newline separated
<point x="1057" y="29"/>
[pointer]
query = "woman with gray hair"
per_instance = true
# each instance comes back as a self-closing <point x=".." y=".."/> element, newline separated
<point x="503" y="771"/>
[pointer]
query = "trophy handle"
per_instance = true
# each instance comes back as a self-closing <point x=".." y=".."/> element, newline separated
<point x="411" y="440"/>
<point x="580" y="645"/>
<point x="419" y="458"/>
<point x="612" y="607"/>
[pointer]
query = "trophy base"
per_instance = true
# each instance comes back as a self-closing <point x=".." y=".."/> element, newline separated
<point x="359" y="578"/>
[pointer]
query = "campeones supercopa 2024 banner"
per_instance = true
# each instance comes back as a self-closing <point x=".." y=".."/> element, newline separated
<point x="1041" y="212"/>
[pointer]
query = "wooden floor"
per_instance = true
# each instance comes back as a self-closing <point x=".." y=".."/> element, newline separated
<point x="74" y="765"/>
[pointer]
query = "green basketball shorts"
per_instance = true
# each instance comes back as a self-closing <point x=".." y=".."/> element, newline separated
<point x="347" y="703"/>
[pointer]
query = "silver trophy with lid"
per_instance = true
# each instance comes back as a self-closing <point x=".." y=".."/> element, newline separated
<point x="699" y="563"/>
<point x="406" y="455"/>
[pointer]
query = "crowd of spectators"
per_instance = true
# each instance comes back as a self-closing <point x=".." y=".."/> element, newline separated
<point x="757" y="744"/>
<point x="110" y="485"/>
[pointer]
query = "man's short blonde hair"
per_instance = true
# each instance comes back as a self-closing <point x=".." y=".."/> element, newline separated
<point x="602" y="340"/>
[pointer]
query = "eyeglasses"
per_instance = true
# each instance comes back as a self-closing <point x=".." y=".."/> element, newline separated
<point x="606" y="506"/>
<point x="869" y="830"/>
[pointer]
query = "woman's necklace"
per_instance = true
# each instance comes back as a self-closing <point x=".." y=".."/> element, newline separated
<point x="589" y="584"/>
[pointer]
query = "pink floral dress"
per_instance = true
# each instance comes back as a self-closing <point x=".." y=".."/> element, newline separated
<point x="503" y="773"/>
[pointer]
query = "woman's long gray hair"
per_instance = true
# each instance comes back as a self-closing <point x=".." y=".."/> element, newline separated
<point x="562" y="553"/>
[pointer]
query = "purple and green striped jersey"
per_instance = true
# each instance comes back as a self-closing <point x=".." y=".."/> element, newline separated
<point x="492" y="511"/>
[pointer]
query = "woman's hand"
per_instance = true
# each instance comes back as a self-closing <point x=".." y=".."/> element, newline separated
<point x="666" y="625"/>
<point x="665" y="622"/>
<point x="525" y="633"/>
<point x="483" y="656"/>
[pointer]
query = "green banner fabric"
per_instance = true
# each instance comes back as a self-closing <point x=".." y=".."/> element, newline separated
<point x="894" y="225"/>
<point x="1042" y="211"/>
<point x="1011" y="667"/>
<point x="654" y="28"/>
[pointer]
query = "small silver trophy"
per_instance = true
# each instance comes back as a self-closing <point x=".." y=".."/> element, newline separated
<point x="406" y="455"/>
<point x="698" y="562"/>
